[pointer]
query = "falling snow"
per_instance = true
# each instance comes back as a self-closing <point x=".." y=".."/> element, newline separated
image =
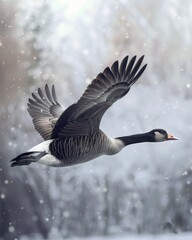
<point x="67" y="43"/>
<point x="2" y="196"/>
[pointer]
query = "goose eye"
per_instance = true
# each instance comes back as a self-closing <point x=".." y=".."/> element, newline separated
<point x="162" y="132"/>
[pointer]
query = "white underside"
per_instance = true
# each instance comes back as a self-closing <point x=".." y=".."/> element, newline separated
<point x="48" y="159"/>
<point x="115" y="146"/>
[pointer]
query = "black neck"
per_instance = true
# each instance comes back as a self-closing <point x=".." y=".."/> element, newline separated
<point x="137" y="138"/>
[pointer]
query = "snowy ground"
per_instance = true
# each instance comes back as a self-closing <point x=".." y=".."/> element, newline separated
<point x="182" y="236"/>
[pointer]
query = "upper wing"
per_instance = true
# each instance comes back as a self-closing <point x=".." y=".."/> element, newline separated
<point x="83" y="117"/>
<point x="45" y="110"/>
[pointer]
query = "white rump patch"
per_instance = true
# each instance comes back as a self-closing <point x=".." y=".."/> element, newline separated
<point x="47" y="159"/>
<point x="42" y="147"/>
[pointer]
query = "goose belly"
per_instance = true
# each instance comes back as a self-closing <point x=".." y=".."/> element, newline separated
<point x="75" y="150"/>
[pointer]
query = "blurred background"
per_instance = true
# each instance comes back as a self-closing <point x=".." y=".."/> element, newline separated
<point x="145" y="189"/>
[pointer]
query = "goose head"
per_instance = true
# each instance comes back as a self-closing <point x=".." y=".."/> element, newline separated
<point x="160" y="135"/>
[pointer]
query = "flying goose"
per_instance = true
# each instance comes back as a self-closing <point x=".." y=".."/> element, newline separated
<point x="73" y="136"/>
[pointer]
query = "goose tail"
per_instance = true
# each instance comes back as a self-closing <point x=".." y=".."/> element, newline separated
<point x="27" y="158"/>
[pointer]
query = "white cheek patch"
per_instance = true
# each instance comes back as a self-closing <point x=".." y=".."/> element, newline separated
<point x="159" y="137"/>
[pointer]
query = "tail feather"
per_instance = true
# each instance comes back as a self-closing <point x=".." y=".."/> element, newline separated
<point x="27" y="158"/>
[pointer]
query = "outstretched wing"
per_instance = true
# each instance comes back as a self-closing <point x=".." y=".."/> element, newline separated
<point x="83" y="117"/>
<point x="45" y="111"/>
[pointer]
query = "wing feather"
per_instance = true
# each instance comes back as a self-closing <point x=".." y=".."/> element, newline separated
<point x="44" y="110"/>
<point x="83" y="117"/>
<point x="123" y="67"/>
<point x="115" y="70"/>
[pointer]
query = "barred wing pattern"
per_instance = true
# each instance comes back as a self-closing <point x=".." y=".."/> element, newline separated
<point x="73" y="150"/>
<point x="83" y="117"/>
<point x="45" y="111"/>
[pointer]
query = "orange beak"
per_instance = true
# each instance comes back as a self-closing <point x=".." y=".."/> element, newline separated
<point x="171" y="137"/>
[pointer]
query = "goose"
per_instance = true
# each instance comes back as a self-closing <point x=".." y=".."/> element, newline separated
<point x="73" y="136"/>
